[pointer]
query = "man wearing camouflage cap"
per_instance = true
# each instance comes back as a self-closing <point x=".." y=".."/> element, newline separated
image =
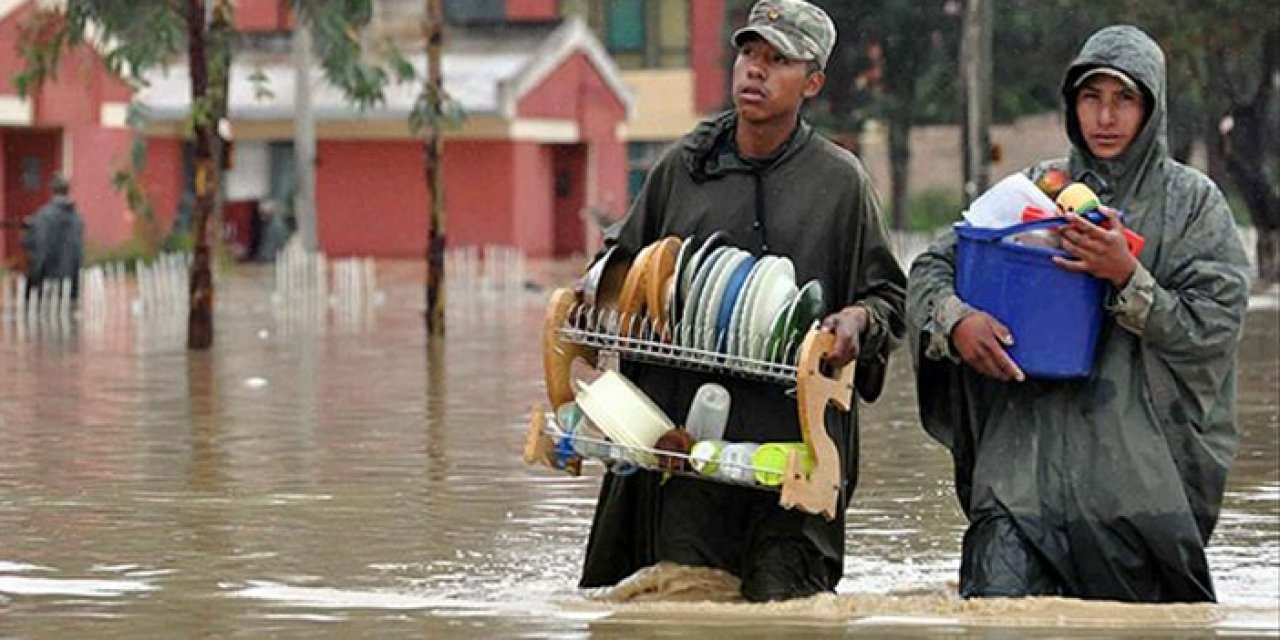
<point x="760" y="176"/>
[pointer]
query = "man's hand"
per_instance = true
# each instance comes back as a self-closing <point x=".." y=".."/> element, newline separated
<point x="1100" y="251"/>
<point x="848" y="324"/>
<point x="980" y="340"/>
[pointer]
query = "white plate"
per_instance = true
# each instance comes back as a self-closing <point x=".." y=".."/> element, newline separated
<point x="705" y="298"/>
<point x="714" y="296"/>
<point x="738" y="322"/>
<point x="777" y="288"/>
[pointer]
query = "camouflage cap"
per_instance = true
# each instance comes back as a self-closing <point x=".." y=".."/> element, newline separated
<point x="797" y="29"/>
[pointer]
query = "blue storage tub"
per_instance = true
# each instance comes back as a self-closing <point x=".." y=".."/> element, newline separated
<point x="1055" y="315"/>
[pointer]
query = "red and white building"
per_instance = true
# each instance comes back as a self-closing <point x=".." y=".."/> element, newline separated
<point x="553" y="126"/>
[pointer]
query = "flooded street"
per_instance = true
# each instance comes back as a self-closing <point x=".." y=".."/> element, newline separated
<point x="341" y="477"/>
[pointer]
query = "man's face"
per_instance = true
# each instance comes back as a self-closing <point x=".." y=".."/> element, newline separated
<point x="767" y="85"/>
<point x="1110" y="115"/>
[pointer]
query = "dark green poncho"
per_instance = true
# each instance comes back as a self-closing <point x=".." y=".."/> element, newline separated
<point x="814" y="203"/>
<point x="1109" y="486"/>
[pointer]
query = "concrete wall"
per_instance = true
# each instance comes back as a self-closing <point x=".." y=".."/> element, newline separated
<point x="935" y="152"/>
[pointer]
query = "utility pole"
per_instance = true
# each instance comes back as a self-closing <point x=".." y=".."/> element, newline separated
<point x="975" y="74"/>
<point x="433" y="30"/>
<point x="304" y="138"/>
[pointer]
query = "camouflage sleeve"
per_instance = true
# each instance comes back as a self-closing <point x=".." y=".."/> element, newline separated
<point x="1132" y="304"/>
<point x="943" y="317"/>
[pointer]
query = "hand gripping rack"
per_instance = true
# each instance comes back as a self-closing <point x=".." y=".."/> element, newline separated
<point x="570" y="332"/>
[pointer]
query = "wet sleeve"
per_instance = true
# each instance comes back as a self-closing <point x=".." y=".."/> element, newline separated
<point x="1200" y="290"/>
<point x="1132" y="304"/>
<point x="881" y="290"/>
<point x="933" y="308"/>
<point x="35" y="242"/>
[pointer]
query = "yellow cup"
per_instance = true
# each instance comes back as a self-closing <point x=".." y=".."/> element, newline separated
<point x="705" y="456"/>
<point x="770" y="461"/>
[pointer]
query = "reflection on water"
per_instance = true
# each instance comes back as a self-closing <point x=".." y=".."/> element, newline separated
<point x="340" y="475"/>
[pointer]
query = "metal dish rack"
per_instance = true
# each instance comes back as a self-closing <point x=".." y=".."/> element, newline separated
<point x="623" y="459"/>
<point x="572" y="331"/>
<point x="638" y="338"/>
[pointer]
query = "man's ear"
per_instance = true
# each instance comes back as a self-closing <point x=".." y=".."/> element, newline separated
<point x="814" y="83"/>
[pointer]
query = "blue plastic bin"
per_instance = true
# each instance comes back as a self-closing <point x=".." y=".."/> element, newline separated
<point x="1055" y="315"/>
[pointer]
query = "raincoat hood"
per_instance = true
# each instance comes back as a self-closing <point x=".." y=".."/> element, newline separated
<point x="709" y="149"/>
<point x="1138" y="172"/>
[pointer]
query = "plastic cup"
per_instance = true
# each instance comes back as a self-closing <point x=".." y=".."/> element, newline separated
<point x="770" y="461"/>
<point x="735" y="461"/>
<point x="705" y="456"/>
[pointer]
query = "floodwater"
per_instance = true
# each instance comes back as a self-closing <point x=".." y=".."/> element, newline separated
<point x="342" y="476"/>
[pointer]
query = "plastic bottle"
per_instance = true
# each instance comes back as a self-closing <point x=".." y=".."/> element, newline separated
<point x="708" y="413"/>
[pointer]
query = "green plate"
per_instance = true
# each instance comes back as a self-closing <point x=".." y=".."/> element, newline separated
<point x="794" y="321"/>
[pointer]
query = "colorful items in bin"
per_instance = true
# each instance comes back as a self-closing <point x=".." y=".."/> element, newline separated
<point x="708" y="413"/>
<point x="1053" y="181"/>
<point x="1079" y="199"/>
<point x="770" y="461"/>
<point x="1001" y="205"/>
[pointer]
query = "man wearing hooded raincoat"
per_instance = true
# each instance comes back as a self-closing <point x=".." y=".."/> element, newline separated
<point x="762" y="177"/>
<point x="54" y="241"/>
<point x="1108" y="486"/>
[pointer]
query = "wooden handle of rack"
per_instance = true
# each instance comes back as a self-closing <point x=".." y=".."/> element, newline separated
<point x="819" y="491"/>
<point x="558" y="355"/>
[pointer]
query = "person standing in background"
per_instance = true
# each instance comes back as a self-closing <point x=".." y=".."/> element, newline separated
<point x="54" y="241"/>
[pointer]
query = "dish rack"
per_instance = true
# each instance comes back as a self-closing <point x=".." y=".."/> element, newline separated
<point x="573" y="331"/>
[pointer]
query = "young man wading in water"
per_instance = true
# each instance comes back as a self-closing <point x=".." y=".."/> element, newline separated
<point x="760" y="175"/>
<point x="1108" y="486"/>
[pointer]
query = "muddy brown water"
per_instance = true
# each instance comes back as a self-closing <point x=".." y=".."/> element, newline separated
<point x="341" y="476"/>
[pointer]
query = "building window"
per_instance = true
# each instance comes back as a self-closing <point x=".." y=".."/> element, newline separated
<point x="640" y="34"/>
<point x="464" y="12"/>
<point x="625" y="23"/>
<point x="641" y="156"/>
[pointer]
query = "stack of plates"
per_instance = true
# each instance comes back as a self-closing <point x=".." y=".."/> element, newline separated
<point x="718" y="298"/>
<point x="730" y="302"/>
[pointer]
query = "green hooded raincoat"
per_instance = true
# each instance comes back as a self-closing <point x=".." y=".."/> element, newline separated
<point x="1108" y="486"/>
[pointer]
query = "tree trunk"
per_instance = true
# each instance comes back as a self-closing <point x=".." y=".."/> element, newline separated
<point x="434" y="32"/>
<point x="1248" y="145"/>
<point x="1268" y="250"/>
<point x="899" y="164"/>
<point x="200" y="318"/>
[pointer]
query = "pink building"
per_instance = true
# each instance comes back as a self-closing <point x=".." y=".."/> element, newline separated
<point x="557" y="122"/>
<point x="75" y="126"/>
